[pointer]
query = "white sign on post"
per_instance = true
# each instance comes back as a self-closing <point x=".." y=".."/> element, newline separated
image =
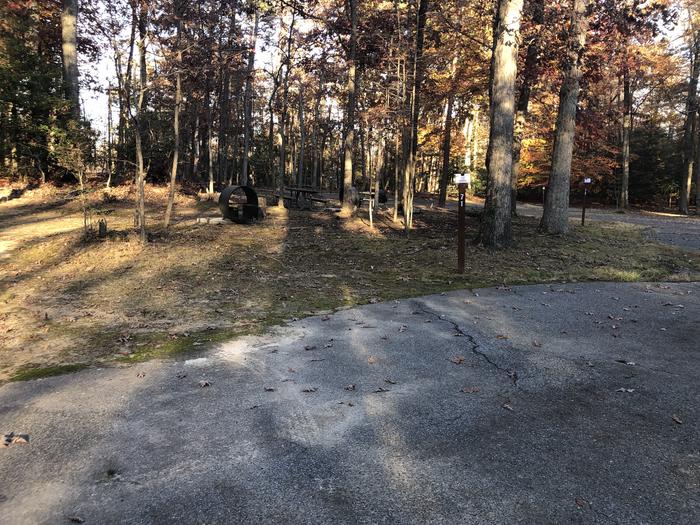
<point x="587" y="180"/>
<point x="463" y="178"/>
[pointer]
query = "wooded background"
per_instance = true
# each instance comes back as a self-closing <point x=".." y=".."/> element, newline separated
<point x="334" y="94"/>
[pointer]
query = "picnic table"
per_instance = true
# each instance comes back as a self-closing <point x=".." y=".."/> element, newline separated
<point x="306" y="195"/>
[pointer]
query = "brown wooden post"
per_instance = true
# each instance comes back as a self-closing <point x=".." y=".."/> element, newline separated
<point x="461" y="226"/>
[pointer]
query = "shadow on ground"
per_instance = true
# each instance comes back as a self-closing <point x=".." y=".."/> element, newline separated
<point x="543" y="404"/>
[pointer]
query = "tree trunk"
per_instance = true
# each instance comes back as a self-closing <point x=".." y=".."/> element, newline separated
<point x="140" y="174"/>
<point x="248" y="102"/>
<point x="302" y="138"/>
<point x="138" y="130"/>
<point x="555" y="218"/>
<point x="530" y="75"/>
<point x="176" y="130"/>
<point x="626" y="130"/>
<point x="348" y="206"/>
<point x="110" y="137"/>
<point x="496" y="221"/>
<point x="284" y="113"/>
<point x="69" y="49"/>
<point x="314" y="140"/>
<point x="691" y="110"/>
<point x="696" y="166"/>
<point x="447" y="143"/>
<point x="210" y="147"/>
<point x="418" y="70"/>
<point x="143" y="31"/>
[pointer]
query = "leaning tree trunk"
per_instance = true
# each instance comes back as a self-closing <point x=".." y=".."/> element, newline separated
<point x="69" y="49"/>
<point x="496" y="223"/>
<point x="530" y="75"/>
<point x="555" y="218"/>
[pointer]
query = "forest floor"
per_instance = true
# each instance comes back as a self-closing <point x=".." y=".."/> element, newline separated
<point x="67" y="302"/>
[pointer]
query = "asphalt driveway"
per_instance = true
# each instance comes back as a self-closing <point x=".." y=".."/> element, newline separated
<point x="571" y="403"/>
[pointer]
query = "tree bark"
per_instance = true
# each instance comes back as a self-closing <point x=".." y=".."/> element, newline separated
<point x="691" y="110"/>
<point x="248" y="102"/>
<point x="176" y="129"/>
<point x="348" y="206"/>
<point x="555" y="218"/>
<point x="284" y="113"/>
<point x="496" y="222"/>
<point x="302" y="138"/>
<point x="626" y="130"/>
<point x="69" y="54"/>
<point x="143" y="31"/>
<point x="418" y="73"/>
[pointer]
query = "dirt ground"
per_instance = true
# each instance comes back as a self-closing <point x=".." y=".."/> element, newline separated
<point x="68" y="301"/>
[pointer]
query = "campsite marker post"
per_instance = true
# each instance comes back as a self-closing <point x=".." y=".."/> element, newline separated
<point x="586" y="183"/>
<point x="462" y="181"/>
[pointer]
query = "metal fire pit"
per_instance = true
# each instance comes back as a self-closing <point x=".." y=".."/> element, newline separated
<point x="240" y="204"/>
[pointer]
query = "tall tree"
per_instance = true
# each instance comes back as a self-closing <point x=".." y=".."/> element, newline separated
<point x="691" y="110"/>
<point x="248" y="100"/>
<point x="176" y="119"/>
<point x="555" y="218"/>
<point x="418" y="74"/>
<point x="69" y="48"/>
<point x="496" y="222"/>
<point x="351" y="94"/>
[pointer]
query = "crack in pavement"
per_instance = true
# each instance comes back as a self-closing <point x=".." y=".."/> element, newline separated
<point x="475" y="346"/>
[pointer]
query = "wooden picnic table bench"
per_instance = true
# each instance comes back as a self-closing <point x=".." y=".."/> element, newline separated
<point x="295" y="194"/>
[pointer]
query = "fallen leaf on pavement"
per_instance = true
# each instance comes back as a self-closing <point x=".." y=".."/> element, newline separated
<point x="325" y="318"/>
<point x="507" y="406"/>
<point x="458" y="359"/>
<point x="141" y="374"/>
<point x="677" y="419"/>
<point x="580" y="502"/>
<point x="371" y="360"/>
<point x="204" y="384"/>
<point x="309" y="390"/>
<point x="381" y="390"/>
<point x="350" y="387"/>
<point x="15" y="439"/>
<point x="471" y="389"/>
<point x="625" y="390"/>
<point x="536" y="344"/>
<point x="269" y="389"/>
<point x="499" y="336"/>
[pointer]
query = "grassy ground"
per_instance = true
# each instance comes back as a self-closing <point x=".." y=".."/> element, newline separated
<point x="67" y="302"/>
